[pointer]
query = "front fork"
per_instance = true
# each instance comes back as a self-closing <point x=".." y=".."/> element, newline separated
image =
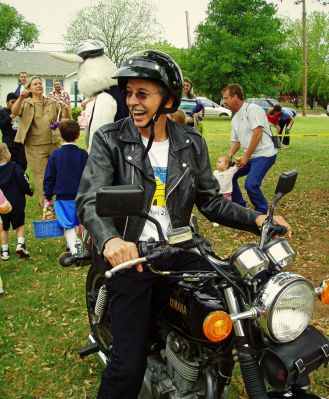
<point x="250" y="370"/>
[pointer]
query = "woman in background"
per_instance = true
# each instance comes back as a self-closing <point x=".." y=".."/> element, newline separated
<point x="37" y="113"/>
<point x="190" y="104"/>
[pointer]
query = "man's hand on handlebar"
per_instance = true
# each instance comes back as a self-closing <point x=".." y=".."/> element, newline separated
<point x="279" y="220"/>
<point x="117" y="251"/>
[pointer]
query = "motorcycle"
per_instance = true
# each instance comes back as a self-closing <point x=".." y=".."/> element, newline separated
<point x="247" y="309"/>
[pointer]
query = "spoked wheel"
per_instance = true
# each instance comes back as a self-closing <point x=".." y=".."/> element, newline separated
<point x="102" y="329"/>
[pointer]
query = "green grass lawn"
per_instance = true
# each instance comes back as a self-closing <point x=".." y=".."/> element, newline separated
<point x="43" y="320"/>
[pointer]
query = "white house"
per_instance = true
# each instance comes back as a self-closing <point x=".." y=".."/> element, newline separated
<point x="34" y="63"/>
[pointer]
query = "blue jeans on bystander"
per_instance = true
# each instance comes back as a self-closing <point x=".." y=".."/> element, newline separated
<point x="255" y="170"/>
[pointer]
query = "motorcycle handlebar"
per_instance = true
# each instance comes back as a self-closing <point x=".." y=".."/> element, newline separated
<point x="281" y="230"/>
<point x="125" y="265"/>
<point x="152" y="254"/>
<point x="155" y="252"/>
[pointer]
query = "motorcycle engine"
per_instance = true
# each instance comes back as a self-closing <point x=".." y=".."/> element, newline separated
<point x="174" y="375"/>
<point x="182" y="363"/>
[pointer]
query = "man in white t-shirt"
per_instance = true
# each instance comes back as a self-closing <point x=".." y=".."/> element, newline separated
<point x="252" y="133"/>
<point x="171" y="162"/>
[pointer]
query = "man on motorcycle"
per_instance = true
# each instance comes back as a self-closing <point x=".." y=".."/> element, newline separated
<point x="171" y="162"/>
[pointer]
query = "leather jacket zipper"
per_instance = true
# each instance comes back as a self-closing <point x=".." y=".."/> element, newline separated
<point x="132" y="182"/>
<point x="176" y="184"/>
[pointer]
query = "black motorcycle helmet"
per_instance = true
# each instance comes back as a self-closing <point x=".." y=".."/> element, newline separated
<point x="156" y="66"/>
<point x="153" y="65"/>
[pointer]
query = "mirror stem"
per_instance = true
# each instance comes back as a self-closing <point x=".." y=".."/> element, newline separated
<point x="162" y="239"/>
<point x="273" y="205"/>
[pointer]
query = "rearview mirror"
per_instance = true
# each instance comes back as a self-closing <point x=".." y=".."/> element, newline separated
<point x="125" y="200"/>
<point x="286" y="182"/>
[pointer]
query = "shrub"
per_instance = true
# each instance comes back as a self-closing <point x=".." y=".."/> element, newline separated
<point x="76" y="111"/>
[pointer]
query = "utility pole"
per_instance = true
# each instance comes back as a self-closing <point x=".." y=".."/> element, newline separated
<point x="304" y="60"/>
<point x="189" y="44"/>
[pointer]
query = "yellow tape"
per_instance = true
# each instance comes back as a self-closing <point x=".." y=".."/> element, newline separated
<point x="308" y="134"/>
<point x="289" y="135"/>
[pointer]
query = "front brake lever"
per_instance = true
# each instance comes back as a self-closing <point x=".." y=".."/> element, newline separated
<point x="125" y="265"/>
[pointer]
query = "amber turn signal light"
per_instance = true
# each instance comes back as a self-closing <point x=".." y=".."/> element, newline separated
<point x="217" y="326"/>
<point x="325" y="293"/>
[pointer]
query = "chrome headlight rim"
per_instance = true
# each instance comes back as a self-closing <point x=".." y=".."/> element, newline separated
<point x="269" y="298"/>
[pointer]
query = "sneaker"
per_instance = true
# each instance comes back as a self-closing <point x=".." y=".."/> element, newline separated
<point x="215" y="224"/>
<point x="80" y="258"/>
<point x="5" y="254"/>
<point x="22" y="251"/>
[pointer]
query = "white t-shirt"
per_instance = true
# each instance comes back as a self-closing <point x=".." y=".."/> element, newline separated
<point x="224" y="179"/>
<point x="249" y="117"/>
<point x="158" y="156"/>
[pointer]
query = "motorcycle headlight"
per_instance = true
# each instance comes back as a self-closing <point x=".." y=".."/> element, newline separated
<point x="280" y="253"/>
<point x="250" y="261"/>
<point x="289" y="302"/>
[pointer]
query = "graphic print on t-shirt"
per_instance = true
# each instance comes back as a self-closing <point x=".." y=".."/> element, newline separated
<point x="159" y="198"/>
<point x="158" y="156"/>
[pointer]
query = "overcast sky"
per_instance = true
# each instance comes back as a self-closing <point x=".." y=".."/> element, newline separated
<point x="52" y="16"/>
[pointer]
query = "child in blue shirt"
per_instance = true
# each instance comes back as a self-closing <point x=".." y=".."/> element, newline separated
<point x="62" y="178"/>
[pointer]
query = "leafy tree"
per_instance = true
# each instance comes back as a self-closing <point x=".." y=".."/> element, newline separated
<point x="318" y="59"/>
<point x="15" y="31"/>
<point x="123" y="26"/>
<point x="240" y="41"/>
<point x="180" y="55"/>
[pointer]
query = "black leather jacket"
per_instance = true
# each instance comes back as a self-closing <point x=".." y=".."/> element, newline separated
<point x="116" y="158"/>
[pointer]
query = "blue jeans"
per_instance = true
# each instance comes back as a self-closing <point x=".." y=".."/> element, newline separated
<point x="284" y="136"/>
<point x="255" y="170"/>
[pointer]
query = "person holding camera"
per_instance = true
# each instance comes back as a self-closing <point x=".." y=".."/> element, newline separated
<point x="37" y="113"/>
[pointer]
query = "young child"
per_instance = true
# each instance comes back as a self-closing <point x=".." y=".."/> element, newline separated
<point x="62" y="179"/>
<point x="224" y="173"/>
<point x="179" y="117"/>
<point x="14" y="184"/>
<point x="9" y="125"/>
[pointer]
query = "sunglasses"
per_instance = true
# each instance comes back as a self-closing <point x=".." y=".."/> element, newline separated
<point x="141" y="95"/>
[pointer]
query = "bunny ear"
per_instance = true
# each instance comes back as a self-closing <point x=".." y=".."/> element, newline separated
<point x="68" y="57"/>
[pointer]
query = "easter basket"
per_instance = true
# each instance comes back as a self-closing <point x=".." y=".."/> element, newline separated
<point x="5" y="205"/>
<point x="48" y="227"/>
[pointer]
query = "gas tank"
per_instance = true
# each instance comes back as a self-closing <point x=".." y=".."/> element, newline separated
<point x="184" y="306"/>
